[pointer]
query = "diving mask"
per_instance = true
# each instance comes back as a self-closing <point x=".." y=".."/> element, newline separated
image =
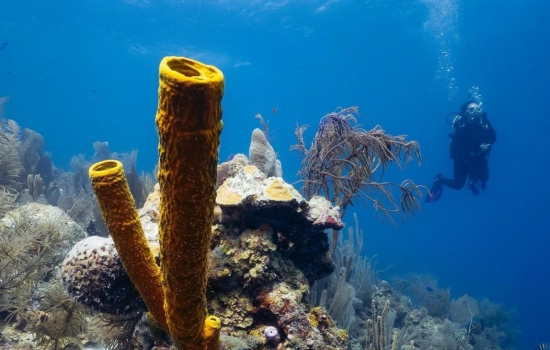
<point x="474" y="109"/>
<point x="473" y="112"/>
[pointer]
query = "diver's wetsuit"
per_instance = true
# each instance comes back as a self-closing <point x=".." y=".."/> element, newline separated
<point x="469" y="160"/>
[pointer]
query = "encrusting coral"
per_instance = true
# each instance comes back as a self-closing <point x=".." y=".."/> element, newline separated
<point x="230" y="168"/>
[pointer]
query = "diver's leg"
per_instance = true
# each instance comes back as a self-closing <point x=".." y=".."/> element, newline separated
<point x="479" y="169"/>
<point x="460" y="173"/>
<point x="479" y="174"/>
<point x="460" y="170"/>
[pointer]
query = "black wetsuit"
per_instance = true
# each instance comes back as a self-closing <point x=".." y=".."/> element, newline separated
<point x="470" y="161"/>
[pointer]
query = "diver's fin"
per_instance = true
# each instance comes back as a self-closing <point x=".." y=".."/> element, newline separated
<point x="434" y="195"/>
<point x="477" y="187"/>
<point x="437" y="189"/>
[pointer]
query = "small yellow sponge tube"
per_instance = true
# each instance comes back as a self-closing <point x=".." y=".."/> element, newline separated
<point x="212" y="327"/>
<point x="122" y="220"/>
<point x="189" y="126"/>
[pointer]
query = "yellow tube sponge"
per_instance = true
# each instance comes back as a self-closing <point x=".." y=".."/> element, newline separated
<point x="212" y="326"/>
<point x="189" y="126"/>
<point x="122" y="220"/>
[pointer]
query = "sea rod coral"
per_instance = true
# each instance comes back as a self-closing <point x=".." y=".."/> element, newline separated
<point x="343" y="159"/>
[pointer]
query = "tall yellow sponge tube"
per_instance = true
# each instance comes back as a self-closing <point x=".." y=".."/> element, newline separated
<point x="122" y="220"/>
<point x="189" y="127"/>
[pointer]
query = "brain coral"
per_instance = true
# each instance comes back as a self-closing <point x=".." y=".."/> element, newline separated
<point x="93" y="275"/>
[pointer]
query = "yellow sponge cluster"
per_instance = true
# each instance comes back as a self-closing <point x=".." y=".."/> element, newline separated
<point x="189" y="126"/>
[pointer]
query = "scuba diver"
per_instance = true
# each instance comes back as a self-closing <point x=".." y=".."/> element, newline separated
<point x="472" y="139"/>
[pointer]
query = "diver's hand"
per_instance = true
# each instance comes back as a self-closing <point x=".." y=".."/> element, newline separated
<point x="485" y="147"/>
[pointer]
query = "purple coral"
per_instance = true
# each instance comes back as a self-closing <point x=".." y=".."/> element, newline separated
<point x="271" y="333"/>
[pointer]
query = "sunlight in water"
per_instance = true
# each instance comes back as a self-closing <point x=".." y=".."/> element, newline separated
<point x="441" y="25"/>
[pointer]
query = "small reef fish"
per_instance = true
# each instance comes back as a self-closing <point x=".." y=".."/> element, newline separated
<point x="274" y="110"/>
<point x="543" y="346"/>
<point x="3" y="46"/>
<point x="429" y="289"/>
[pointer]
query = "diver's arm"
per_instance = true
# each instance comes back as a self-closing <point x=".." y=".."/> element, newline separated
<point x="457" y="123"/>
<point x="489" y="137"/>
<point x="483" y="149"/>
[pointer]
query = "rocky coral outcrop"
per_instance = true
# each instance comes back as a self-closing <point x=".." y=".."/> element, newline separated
<point x="256" y="290"/>
<point x="250" y="199"/>
<point x="269" y="244"/>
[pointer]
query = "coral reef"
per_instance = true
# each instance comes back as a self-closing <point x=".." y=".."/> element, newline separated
<point x="262" y="261"/>
<point x="255" y="284"/>
<point x="255" y="279"/>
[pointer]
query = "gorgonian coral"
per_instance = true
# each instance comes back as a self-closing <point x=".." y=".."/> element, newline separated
<point x="346" y="164"/>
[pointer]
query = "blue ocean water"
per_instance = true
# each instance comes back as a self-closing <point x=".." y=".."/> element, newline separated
<point x="82" y="71"/>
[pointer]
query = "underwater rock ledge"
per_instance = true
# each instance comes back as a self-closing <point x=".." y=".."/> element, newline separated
<point x="249" y="199"/>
